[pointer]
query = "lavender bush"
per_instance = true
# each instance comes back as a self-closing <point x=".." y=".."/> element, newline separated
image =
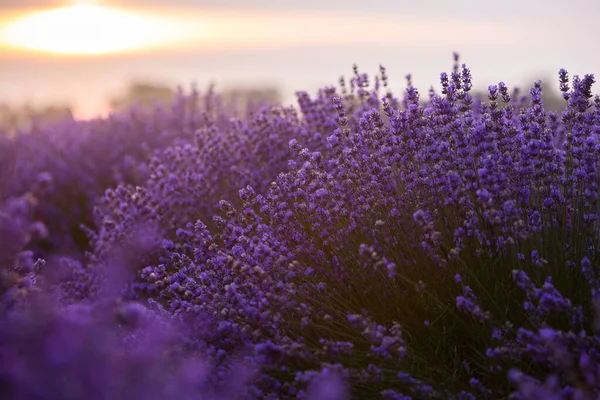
<point x="362" y="245"/>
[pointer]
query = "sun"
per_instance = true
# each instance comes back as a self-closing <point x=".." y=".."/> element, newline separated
<point x="86" y="29"/>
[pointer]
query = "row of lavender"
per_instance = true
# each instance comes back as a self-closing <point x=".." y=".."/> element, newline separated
<point x="367" y="246"/>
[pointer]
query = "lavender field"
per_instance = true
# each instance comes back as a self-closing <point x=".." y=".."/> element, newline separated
<point x="365" y="244"/>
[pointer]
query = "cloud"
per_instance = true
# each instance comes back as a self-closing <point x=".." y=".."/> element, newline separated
<point x="232" y="29"/>
<point x="272" y="23"/>
<point x="243" y="30"/>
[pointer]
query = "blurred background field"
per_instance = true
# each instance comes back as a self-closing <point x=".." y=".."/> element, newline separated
<point x="67" y="57"/>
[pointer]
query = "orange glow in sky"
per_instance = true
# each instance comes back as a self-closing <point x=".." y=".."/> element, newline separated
<point x="86" y="29"/>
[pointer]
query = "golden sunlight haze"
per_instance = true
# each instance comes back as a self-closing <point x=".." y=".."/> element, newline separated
<point x="86" y="29"/>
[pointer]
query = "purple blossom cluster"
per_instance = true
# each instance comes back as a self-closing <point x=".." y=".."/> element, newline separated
<point x="361" y="245"/>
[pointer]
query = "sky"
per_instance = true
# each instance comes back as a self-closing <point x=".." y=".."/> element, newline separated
<point x="82" y="52"/>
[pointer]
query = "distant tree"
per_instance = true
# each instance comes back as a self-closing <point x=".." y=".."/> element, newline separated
<point x="14" y="118"/>
<point x="553" y="101"/>
<point x="148" y="95"/>
<point x="552" y="98"/>
<point x="144" y="95"/>
<point x="243" y="96"/>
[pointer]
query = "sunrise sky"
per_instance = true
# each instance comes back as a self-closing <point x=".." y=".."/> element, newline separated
<point x="81" y="52"/>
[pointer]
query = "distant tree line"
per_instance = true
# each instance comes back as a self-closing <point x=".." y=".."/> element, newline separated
<point x="14" y="118"/>
<point x="553" y="101"/>
<point x="147" y="95"/>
